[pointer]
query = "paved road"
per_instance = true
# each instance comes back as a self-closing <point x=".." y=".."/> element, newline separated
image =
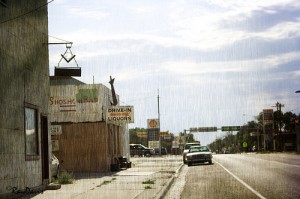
<point x="242" y="176"/>
<point x="230" y="176"/>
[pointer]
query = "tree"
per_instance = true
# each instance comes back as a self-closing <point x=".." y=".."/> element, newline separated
<point x="134" y="139"/>
<point x="289" y="120"/>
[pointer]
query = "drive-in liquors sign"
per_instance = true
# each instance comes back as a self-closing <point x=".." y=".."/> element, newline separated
<point x="120" y="115"/>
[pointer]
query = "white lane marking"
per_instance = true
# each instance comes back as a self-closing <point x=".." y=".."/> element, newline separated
<point x="241" y="181"/>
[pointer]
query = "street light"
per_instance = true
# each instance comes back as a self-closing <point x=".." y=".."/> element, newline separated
<point x="297" y="135"/>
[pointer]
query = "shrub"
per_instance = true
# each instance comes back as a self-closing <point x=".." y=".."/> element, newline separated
<point x="65" y="178"/>
<point x="149" y="182"/>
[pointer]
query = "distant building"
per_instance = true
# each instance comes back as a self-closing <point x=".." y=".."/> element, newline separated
<point x="24" y="96"/>
<point x="82" y="139"/>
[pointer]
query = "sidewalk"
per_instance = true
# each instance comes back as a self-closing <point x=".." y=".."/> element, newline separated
<point x="148" y="178"/>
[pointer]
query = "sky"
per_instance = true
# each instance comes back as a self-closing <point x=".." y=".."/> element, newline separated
<point x="212" y="63"/>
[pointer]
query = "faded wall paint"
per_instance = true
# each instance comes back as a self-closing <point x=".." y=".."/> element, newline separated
<point x="78" y="103"/>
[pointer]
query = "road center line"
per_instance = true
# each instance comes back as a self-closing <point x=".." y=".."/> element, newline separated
<point x="241" y="181"/>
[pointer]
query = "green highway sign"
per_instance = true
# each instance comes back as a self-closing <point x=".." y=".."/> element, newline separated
<point x="231" y="128"/>
<point x="204" y="129"/>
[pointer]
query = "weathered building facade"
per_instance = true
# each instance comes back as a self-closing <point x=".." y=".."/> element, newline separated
<point x="82" y="140"/>
<point x="24" y="95"/>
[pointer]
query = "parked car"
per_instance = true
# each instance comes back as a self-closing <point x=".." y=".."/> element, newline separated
<point x="163" y="151"/>
<point x="54" y="166"/>
<point x="141" y="150"/>
<point x="198" y="154"/>
<point x="187" y="147"/>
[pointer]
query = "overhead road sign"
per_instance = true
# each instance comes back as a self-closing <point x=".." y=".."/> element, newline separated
<point x="231" y="128"/>
<point x="203" y="129"/>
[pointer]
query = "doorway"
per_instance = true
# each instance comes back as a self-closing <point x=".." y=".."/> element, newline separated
<point x="45" y="149"/>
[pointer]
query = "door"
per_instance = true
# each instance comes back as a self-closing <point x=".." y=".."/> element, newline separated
<point x="45" y="148"/>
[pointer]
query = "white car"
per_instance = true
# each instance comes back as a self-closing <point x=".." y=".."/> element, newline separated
<point x="187" y="147"/>
<point x="198" y="154"/>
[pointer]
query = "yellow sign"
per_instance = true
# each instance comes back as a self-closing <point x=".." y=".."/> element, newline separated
<point x="164" y="133"/>
<point x="142" y="134"/>
<point x="153" y="123"/>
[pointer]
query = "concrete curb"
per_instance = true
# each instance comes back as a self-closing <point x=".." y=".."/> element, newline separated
<point x="163" y="192"/>
<point x="53" y="186"/>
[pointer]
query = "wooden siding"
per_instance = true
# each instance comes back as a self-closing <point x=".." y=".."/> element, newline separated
<point x="89" y="147"/>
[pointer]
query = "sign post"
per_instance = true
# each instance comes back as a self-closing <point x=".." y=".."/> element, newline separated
<point x="245" y="146"/>
<point x="267" y="119"/>
<point x="153" y="130"/>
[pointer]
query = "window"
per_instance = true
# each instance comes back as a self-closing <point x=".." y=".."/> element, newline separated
<point x="31" y="131"/>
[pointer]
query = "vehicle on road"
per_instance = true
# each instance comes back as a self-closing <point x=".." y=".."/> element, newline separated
<point x="187" y="147"/>
<point x="163" y="151"/>
<point x="198" y="154"/>
<point x="141" y="150"/>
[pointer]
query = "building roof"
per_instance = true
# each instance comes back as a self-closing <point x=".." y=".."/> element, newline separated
<point x="63" y="80"/>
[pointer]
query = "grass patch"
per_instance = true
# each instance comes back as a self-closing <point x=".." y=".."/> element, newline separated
<point x="65" y="178"/>
<point x="149" y="182"/>
<point x="148" y="187"/>
<point x="54" y="180"/>
<point x="106" y="182"/>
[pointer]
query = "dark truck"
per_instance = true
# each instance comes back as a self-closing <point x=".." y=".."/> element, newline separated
<point x="141" y="150"/>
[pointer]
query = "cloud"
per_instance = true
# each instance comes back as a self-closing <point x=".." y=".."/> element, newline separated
<point x="210" y="59"/>
<point x="285" y="30"/>
<point x="191" y="68"/>
<point x="213" y="26"/>
<point x="209" y="26"/>
<point x="88" y="14"/>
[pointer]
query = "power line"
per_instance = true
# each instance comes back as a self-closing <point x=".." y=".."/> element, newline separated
<point x="64" y="41"/>
<point x="24" y="14"/>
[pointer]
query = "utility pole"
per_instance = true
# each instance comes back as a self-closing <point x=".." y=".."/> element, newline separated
<point x="278" y="123"/>
<point x="159" y="123"/>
